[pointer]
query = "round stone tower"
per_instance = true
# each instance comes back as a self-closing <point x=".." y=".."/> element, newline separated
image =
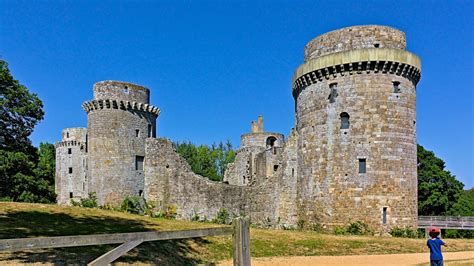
<point x="355" y="100"/>
<point x="71" y="165"/>
<point x="119" y="119"/>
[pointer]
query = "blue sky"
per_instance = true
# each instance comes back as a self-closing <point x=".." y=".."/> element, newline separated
<point x="213" y="66"/>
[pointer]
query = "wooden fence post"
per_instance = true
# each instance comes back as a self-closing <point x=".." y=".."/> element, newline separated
<point x="241" y="238"/>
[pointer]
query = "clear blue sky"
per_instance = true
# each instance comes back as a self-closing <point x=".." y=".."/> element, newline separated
<point x="214" y="66"/>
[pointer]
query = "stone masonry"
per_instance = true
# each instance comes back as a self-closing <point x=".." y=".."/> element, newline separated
<point x="351" y="155"/>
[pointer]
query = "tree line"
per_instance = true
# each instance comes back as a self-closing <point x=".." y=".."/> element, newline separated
<point x="27" y="173"/>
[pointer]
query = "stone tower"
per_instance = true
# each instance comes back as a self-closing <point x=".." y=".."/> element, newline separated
<point x="119" y="119"/>
<point x="355" y="100"/>
<point x="71" y="165"/>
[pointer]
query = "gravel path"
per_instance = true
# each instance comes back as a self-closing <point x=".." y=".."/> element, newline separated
<point x="388" y="259"/>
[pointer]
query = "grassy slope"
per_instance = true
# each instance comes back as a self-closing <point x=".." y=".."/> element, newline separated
<point x="30" y="220"/>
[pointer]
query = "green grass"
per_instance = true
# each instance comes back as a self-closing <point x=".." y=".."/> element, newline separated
<point x="32" y="220"/>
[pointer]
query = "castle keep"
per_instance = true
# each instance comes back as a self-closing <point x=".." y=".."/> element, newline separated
<point x="351" y="155"/>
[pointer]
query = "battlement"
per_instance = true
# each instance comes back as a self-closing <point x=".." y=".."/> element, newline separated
<point x="121" y="91"/>
<point x="69" y="143"/>
<point x="119" y="104"/>
<point x="356" y="37"/>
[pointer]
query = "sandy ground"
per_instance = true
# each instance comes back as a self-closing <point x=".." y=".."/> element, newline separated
<point x="462" y="258"/>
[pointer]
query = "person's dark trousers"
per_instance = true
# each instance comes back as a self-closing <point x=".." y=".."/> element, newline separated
<point x="436" y="263"/>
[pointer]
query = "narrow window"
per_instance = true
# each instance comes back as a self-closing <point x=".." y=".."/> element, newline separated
<point x="67" y="134"/>
<point x="384" y="217"/>
<point x="362" y="166"/>
<point x="70" y="195"/>
<point x="376" y="45"/>
<point x="150" y="129"/>
<point x="275" y="167"/>
<point x="139" y="163"/>
<point x="83" y="186"/>
<point x="69" y="151"/>
<point x="70" y="170"/>
<point x="344" y="120"/>
<point x="292" y="172"/>
<point x="125" y="90"/>
<point x="140" y="192"/>
<point x="333" y="94"/>
<point x="396" y="87"/>
<point x="137" y="133"/>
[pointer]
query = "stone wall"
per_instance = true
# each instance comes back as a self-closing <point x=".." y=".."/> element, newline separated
<point x="169" y="181"/>
<point x="356" y="37"/>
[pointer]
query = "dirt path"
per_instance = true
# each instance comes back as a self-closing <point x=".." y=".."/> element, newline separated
<point x="388" y="259"/>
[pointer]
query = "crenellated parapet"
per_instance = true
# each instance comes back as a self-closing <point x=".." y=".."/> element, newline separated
<point x="366" y="61"/>
<point x="94" y="105"/>
<point x="69" y="143"/>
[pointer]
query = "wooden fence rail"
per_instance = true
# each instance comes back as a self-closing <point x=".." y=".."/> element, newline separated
<point x="447" y="222"/>
<point x="240" y="231"/>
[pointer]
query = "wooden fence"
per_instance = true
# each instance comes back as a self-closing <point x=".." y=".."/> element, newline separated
<point x="240" y="231"/>
<point x="447" y="222"/>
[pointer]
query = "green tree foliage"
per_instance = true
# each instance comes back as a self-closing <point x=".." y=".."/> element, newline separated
<point x="438" y="189"/>
<point x="210" y="162"/>
<point x="20" y="111"/>
<point x="26" y="174"/>
<point x="465" y="204"/>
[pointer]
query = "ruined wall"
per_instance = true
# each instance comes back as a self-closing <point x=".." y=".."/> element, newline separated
<point x="119" y="119"/>
<point x="71" y="165"/>
<point x="376" y="88"/>
<point x="170" y="181"/>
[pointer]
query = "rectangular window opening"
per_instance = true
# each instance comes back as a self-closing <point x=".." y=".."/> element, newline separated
<point x="384" y="217"/>
<point x="362" y="166"/>
<point x="70" y="170"/>
<point x="150" y="131"/>
<point x="140" y="192"/>
<point x="396" y="87"/>
<point x="69" y="151"/>
<point x="137" y="133"/>
<point x="139" y="163"/>
<point x="70" y="195"/>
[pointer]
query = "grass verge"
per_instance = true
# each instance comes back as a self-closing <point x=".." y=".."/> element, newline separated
<point x="33" y="220"/>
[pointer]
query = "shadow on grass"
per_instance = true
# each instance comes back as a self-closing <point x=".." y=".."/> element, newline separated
<point x="20" y="224"/>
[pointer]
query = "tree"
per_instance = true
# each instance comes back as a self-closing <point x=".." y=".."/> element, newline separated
<point x="210" y="162"/>
<point x="438" y="189"/>
<point x="26" y="174"/>
<point x="20" y="111"/>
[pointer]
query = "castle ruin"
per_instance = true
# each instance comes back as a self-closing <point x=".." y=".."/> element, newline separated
<point x="351" y="155"/>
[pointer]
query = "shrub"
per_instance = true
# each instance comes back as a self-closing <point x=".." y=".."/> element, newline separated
<point x="171" y="212"/>
<point x="89" y="202"/>
<point x="6" y="199"/>
<point x="339" y="230"/>
<point x="317" y="227"/>
<point x="300" y="224"/>
<point x="358" y="228"/>
<point x="222" y="216"/>
<point x="132" y="204"/>
<point x="405" y="232"/>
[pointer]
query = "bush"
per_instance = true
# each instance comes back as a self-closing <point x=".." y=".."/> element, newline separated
<point x="339" y="230"/>
<point x="358" y="228"/>
<point x="89" y="202"/>
<point x="300" y="224"/>
<point x="132" y="204"/>
<point x="405" y="232"/>
<point x="171" y="212"/>
<point x="6" y="199"/>
<point x="317" y="227"/>
<point x="222" y="217"/>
